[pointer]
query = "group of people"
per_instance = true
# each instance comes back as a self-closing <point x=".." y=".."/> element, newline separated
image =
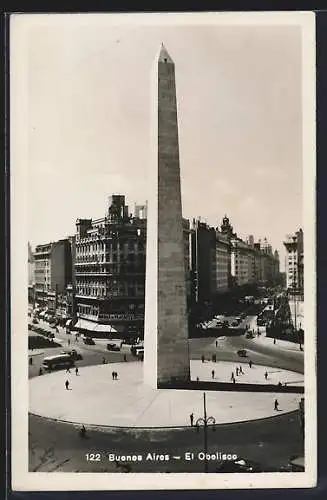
<point x="114" y="375"/>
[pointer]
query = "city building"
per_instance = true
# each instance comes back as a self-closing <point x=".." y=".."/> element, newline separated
<point x="242" y="262"/>
<point x="31" y="277"/>
<point x="53" y="272"/>
<point x="210" y="262"/>
<point x="110" y="271"/>
<point x="294" y="262"/>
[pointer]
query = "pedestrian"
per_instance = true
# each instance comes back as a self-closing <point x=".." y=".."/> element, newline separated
<point x="216" y="343"/>
<point x="116" y="375"/>
<point x="276" y="404"/>
<point x="31" y="360"/>
<point x="68" y="370"/>
<point x="280" y="384"/>
<point x="67" y="384"/>
<point x="197" y="379"/>
<point x="274" y="340"/>
<point x="213" y="374"/>
<point x="234" y="381"/>
<point x="40" y="371"/>
<point x="125" y="358"/>
<point x="202" y="358"/>
<point x="250" y="363"/>
<point x="103" y="361"/>
<point x="237" y="371"/>
<point x="241" y="369"/>
<point x="192" y="419"/>
<point x="76" y="370"/>
<point x="266" y="375"/>
<point x="113" y="375"/>
<point x="68" y="341"/>
<point x="232" y="377"/>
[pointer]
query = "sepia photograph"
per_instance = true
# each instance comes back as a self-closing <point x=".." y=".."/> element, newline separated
<point x="163" y="287"/>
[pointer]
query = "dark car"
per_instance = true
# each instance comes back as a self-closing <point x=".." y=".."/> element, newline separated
<point x="113" y="347"/>
<point x="35" y="321"/>
<point x="249" y="335"/>
<point x="89" y="341"/>
<point x="239" y="465"/>
<point x="242" y="353"/>
<point x="73" y="354"/>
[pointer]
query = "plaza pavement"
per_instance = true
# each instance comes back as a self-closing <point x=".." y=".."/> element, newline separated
<point x="95" y="399"/>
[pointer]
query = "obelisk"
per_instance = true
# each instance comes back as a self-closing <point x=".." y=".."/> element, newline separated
<point x="166" y="326"/>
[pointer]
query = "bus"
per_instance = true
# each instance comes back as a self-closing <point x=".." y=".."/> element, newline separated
<point x="57" y="362"/>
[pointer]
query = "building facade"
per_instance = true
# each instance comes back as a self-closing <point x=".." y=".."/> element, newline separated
<point x="53" y="272"/>
<point x="294" y="261"/>
<point x="210" y="262"/>
<point x="110" y="271"/>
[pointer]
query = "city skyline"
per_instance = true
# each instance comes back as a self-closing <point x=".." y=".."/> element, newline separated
<point x="240" y="141"/>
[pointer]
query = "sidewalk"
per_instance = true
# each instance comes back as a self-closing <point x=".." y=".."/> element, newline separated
<point x="284" y="345"/>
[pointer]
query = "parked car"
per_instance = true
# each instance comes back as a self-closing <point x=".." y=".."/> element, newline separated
<point x="89" y="341"/>
<point x="242" y="353"/>
<point x="35" y="321"/>
<point x="113" y="347"/>
<point x="235" y="323"/>
<point x="249" y="335"/>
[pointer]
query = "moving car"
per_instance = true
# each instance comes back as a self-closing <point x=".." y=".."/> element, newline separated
<point x="242" y="353"/>
<point x="249" y="335"/>
<point x="89" y="341"/>
<point x="113" y="347"/>
<point x="73" y="354"/>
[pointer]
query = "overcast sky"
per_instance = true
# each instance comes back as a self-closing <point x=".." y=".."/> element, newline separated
<point x="239" y="105"/>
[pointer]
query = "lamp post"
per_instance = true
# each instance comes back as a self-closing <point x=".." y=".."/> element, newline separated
<point x="205" y="422"/>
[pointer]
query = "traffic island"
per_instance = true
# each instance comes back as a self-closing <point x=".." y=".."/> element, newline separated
<point x="94" y="397"/>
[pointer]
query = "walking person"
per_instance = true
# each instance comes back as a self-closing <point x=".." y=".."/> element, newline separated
<point x="274" y="340"/>
<point x="250" y="363"/>
<point x="241" y="370"/>
<point x="68" y="370"/>
<point x="202" y="358"/>
<point x="216" y="343"/>
<point x="40" y="371"/>
<point x="68" y="341"/>
<point x="192" y="419"/>
<point x="232" y="377"/>
<point x="125" y="358"/>
<point x="213" y="374"/>
<point x="113" y="375"/>
<point x="67" y="384"/>
<point x="76" y="370"/>
<point x="266" y="375"/>
<point x="237" y="371"/>
<point x="116" y="376"/>
<point x="276" y="405"/>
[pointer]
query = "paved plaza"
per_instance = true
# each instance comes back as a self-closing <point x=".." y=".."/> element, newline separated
<point x="94" y="398"/>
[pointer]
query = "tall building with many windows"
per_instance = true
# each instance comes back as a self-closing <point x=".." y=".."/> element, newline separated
<point x="294" y="261"/>
<point x="110" y="271"/>
<point x="53" y="271"/>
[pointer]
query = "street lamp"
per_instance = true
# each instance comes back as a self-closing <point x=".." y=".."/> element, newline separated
<point x="205" y="421"/>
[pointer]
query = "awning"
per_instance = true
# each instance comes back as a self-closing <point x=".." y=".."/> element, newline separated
<point x="83" y="324"/>
<point x="105" y="329"/>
